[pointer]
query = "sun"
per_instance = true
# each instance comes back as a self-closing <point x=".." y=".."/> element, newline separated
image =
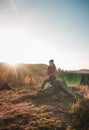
<point x="12" y="63"/>
<point x="14" y="45"/>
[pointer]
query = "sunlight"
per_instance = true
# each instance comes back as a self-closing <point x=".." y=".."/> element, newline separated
<point x="18" y="45"/>
<point x="14" y="42"/>
<point x="13" y="36"/>
<point x="12" y="63"/>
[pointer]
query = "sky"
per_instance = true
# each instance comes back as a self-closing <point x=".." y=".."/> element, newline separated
<point x="35" y="31"/>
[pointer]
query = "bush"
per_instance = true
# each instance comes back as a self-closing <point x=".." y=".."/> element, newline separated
<point x="73" y="78"/>
<point x="80" y="115"/>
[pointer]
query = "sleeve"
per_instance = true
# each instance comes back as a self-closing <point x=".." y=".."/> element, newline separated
<point x="47" y="72"/>
<point x="54" y="71"/>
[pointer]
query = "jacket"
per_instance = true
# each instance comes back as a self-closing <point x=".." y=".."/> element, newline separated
<point x="51" y="71"/>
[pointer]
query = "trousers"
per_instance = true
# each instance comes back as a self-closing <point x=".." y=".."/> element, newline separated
<point x="50" y="80"/>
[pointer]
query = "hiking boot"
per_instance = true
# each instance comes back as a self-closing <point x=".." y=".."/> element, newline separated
<point x="50" y="85"/>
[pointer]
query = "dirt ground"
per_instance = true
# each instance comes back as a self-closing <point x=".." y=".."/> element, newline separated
<point x="26" y="109"/>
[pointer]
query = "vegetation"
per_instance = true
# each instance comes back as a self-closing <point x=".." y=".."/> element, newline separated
<point x="72" y="78"/>
<point x="30" y="74"/>
<point x="80" y="115"/>
<point x="22" y="74"/>
<point x="23" y="108"/>
<point x="69" y="77"/>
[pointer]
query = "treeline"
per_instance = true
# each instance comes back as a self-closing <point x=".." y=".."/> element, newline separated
<point x="74" y="77"/>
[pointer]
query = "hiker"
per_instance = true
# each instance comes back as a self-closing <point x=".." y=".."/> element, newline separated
<point x="51" y="74"/>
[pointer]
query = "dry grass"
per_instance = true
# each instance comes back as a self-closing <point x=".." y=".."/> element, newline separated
<point x="22" y="108"/>
<point x="25" y="109"/>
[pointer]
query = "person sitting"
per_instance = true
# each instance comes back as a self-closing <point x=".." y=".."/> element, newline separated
<point x="51" y="74"/>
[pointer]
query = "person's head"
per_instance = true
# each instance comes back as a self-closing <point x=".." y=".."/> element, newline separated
<point x="51" y="62"/>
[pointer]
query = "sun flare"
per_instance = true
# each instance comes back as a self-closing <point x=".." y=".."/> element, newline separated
<point x="12" y="63"/>
<point x="14" y="48"/>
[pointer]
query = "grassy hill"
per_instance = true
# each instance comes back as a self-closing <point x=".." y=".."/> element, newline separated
<point x="24" y="108"/>
<point x="22" y="74"/>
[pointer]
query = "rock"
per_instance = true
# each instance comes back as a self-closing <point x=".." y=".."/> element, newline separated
<point x="5" y="86"/>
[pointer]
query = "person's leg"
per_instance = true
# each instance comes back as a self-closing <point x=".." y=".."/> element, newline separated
<point x="52" y="79"/>
<point x="44" y="83"/>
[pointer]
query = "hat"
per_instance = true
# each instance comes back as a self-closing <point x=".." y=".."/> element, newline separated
<point x="51" y="60"/>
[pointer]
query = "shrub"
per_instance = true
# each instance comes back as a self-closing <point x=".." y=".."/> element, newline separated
<point x="80" y="115"/>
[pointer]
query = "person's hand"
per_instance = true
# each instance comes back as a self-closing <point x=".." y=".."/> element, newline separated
<point x="48" y="77"/>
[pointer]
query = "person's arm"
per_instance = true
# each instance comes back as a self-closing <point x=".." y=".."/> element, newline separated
<point x="54" y="72"/>
<point x="47" y="72"/>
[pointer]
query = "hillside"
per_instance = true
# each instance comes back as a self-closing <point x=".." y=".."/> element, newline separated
<point x="84" y="71"/>
<point x="27" y="109"/>
<point x="81" y="71"/>
<point x="22" y="107"/>
<point x="22" y="74"/>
